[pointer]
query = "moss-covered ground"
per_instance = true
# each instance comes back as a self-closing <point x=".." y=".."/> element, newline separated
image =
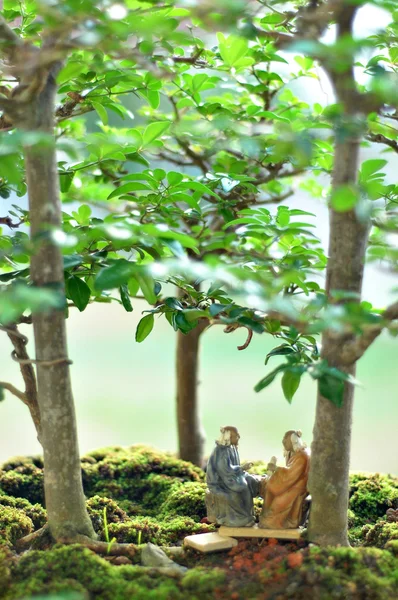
<point x="152" y="496"/>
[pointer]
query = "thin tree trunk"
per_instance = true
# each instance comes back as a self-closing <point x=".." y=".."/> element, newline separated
<point x="328" y="482"/>
<point x="191" y="436"/>
<point x="65" y="502"/>
<point x="330" y="462"/>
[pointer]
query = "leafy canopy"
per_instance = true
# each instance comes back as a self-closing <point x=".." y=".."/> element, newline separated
<point x="182" y="146"/>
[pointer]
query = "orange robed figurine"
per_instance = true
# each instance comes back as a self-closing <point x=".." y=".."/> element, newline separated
<point x="286" y="488"/>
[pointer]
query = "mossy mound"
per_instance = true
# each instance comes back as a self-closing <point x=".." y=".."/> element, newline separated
<point x="74" y="568"/>
<point x="114" y="514"/>
<point x="249" y="571"/>
<point x="166" y="532"/>
<point x="22" y="477"/>
<point x="380" y="534"/>
<point x="371" y="495"/>
<point x="186" y="500"/>
<point x="34" y="511"/>
<point x="341" y="573"/>
<point x="148" y="495"/>
<point x="138" y="474"/>
<point x="14" y="524"/>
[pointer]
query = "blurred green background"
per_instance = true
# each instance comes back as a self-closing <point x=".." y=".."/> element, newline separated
<point x="125" y="392"/>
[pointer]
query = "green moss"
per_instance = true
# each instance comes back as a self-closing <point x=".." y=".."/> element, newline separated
<point x="371" y="495"/>
<point x="156" y="489"/>
<point x="14" y="524"/>
<point x="5" y="568"/>
<point x="201" y="581"/>
<point x="172" y="531"/>
<point x="22" y="477"/>
<point x="380" y="534"/>
<point x="392" y="546"/>
<point x="136" y="530"/>
<point x="162" y="532"/>
<point x="186" y="500"/>
<point x="74" y="568"/>
<point x="114" y="514"/>
<point x="138" y="474"/>
<point x="34" y="511"/>
<point x="259" y="468"/>
<point x="358" y="573"/>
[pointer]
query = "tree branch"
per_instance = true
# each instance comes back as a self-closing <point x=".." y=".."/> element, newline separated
<point x="8" y="38"/>
<point x="353" y="350"/>
<point x="19" y="342"/>
<point x="13" y="390"/>
<point x="378" y="138"/>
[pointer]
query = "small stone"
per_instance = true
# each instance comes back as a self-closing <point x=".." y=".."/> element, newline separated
<point x="209" y="542"/>
<point x="121" y="560"/>
<point x="153" y="556"/>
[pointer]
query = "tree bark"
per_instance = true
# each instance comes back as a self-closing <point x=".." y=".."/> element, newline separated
<point x="191" y="436"/>
<point x="65" y="501"/>
<point x="329" y="472"/>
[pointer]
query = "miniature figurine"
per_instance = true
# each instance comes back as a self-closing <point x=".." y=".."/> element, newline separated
<point x="231" y="490"/>
<point x="286" y="489"/>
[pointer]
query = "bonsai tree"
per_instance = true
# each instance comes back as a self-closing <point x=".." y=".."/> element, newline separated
<point x="202" y="220"/>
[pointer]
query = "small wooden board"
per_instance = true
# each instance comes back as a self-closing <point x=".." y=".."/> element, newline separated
<point x="258" y="532"/>
<point x="209" y="542"/>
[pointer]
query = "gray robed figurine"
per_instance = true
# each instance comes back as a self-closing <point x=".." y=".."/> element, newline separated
<point x="231" y="490"/>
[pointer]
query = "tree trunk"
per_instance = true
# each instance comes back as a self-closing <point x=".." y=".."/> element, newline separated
<point x="65" y="501"/>
<point x="191" y="436"/>
<point x="328" y="481"/>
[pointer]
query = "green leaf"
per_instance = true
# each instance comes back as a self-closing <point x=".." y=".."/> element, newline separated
<point x="174" y="178"/>
<point x="147" y="285"/>
<point x="173" y="303"/>
<point x="283" y="216"/>
<point x="268" y="379"/>
<point x="134" y="186"/>
<point x="272" y="19"/>
<point x="370" y="167"/>
<point x="71" y="70"/>
<point x="1" y="393"/>
<point x="191" y="314"/>
<point x="332" y="388"/>
<point x="133" y="286"/>
<point x="282" y="350"/>
<point x="13" y="275"/>
<point x="252" y="324"/>
<point x="78" y="292"/>
<point x="290" y="383"/>
<point x="74" y="260"/>
<point x="232" y="49"/>
<point x="101" y="112"/>
<point x="125" y="297"/>
<point x="183" y="324"/>
<point x="154" y="131"/>
<point x="144" y="328"/>
<point x="215" y="309"/>
<point x="65" y="180"/>
<point x="198" y="187"/>
<point x="344" y="198"/>
<point x="115" y="275"/>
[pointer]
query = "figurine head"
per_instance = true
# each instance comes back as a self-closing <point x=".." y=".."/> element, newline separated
<point x="292" y="441"/>
<point x="229" y="436"/>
